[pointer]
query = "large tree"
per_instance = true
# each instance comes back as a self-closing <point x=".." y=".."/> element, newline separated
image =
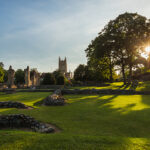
<point x="5" y="76"/>
<point x="49" y="79"/>
<point x="79" y="73"/>
<point x="121" y="41"/>
<point x="1" y="74"/>
<point x="19" y="77"/>
<point x="128" y="34"/>
<point x="1" y="64"/>
<point x="100" y="55"/>
<point x="60" y="79"/>
<point x="95" y="70"/>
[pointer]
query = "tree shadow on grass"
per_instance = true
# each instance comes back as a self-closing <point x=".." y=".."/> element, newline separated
<point x="144" y="86"/>
<point x="115" y="121"/>
<point x="99" y="117"/>
<point x="89" y="118"/>
<point x="145" y="99"/>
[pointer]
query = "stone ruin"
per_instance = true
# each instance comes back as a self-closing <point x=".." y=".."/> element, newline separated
<point x="11" y="104"/>
<point x="31" y="81"/>
<point x="11" y="75"/>
<point x="27" y="77"/>
<point x="55" y="99"/>
<point x="24" y="122"/>
<point x="35" y="79"/>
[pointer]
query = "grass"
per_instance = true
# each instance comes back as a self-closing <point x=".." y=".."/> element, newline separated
<point x="143" y="86"/>
<point x="114" y="86"/>
<point x="88" y="122"/>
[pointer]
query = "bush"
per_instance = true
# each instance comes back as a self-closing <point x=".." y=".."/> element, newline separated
<point x="68" y="82"/>
<point x="49" y="79"/>
<point x="1" y="74"/>
<point x="60" y="80"/>
<point x="19" y="77"/>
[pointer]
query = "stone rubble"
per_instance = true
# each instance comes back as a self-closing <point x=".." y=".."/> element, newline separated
<point x="55" y="99"/>
<point x="11" y="104"/>
<point x="24" y="122"/>
<point x="97" y="91"/>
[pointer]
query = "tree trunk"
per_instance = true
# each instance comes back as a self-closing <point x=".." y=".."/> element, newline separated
<point x="130" y="73"/>
<point x="111" y="72"/>
<point x="123" y="70"/>
<point x="123" y="74"/>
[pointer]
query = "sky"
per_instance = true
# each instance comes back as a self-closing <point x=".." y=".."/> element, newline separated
<point x="36" y="32"/>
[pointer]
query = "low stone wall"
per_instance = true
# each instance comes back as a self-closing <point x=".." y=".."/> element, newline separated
<point x="8" y="91"/>
<point x="88" y="91"/>
<point x="11" y="104"/>
<point x="35" y="90"/>
<point x="24" y="122"/>
<point x="96" y="91"/>
<point x="106" y="92"/>
<point x="49" y="87"/>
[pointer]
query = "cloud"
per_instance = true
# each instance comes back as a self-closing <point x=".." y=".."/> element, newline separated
<point x="38" y="33"/>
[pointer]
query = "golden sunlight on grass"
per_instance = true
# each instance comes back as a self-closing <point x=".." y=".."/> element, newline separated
<point x="125" y="104"/>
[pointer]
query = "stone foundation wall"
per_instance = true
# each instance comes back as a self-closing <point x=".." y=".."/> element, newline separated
<point x="11" y="104"/>
<point x="106" y="92"/>
<point x="88" y="91"/>
<point x="22" y="121"/>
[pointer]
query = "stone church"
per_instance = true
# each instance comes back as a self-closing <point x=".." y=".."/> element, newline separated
<point x="62" y="67"/>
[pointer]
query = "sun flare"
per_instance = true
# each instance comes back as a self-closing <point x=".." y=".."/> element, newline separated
<point x="147" y="49"/>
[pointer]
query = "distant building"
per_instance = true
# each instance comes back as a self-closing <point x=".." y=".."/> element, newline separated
<point x="62" y="67"/>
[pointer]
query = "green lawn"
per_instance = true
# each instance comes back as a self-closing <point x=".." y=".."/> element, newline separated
<point x="114" y="86"/>
<point x="143" y="86"/>
<point x="88" y="123"/>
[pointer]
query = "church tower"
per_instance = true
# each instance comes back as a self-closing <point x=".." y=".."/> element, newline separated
<point x="62" y="65"/>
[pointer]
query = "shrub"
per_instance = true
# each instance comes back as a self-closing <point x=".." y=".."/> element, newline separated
<point x="49" y="79"/>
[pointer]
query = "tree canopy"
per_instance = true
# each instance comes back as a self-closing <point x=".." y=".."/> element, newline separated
<point x="19" y="77"/>
<point x="2" y="73"/>
<point x="49" y="79"/>
<point x="59" y="77"/>
<point x="120" y="43"/>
